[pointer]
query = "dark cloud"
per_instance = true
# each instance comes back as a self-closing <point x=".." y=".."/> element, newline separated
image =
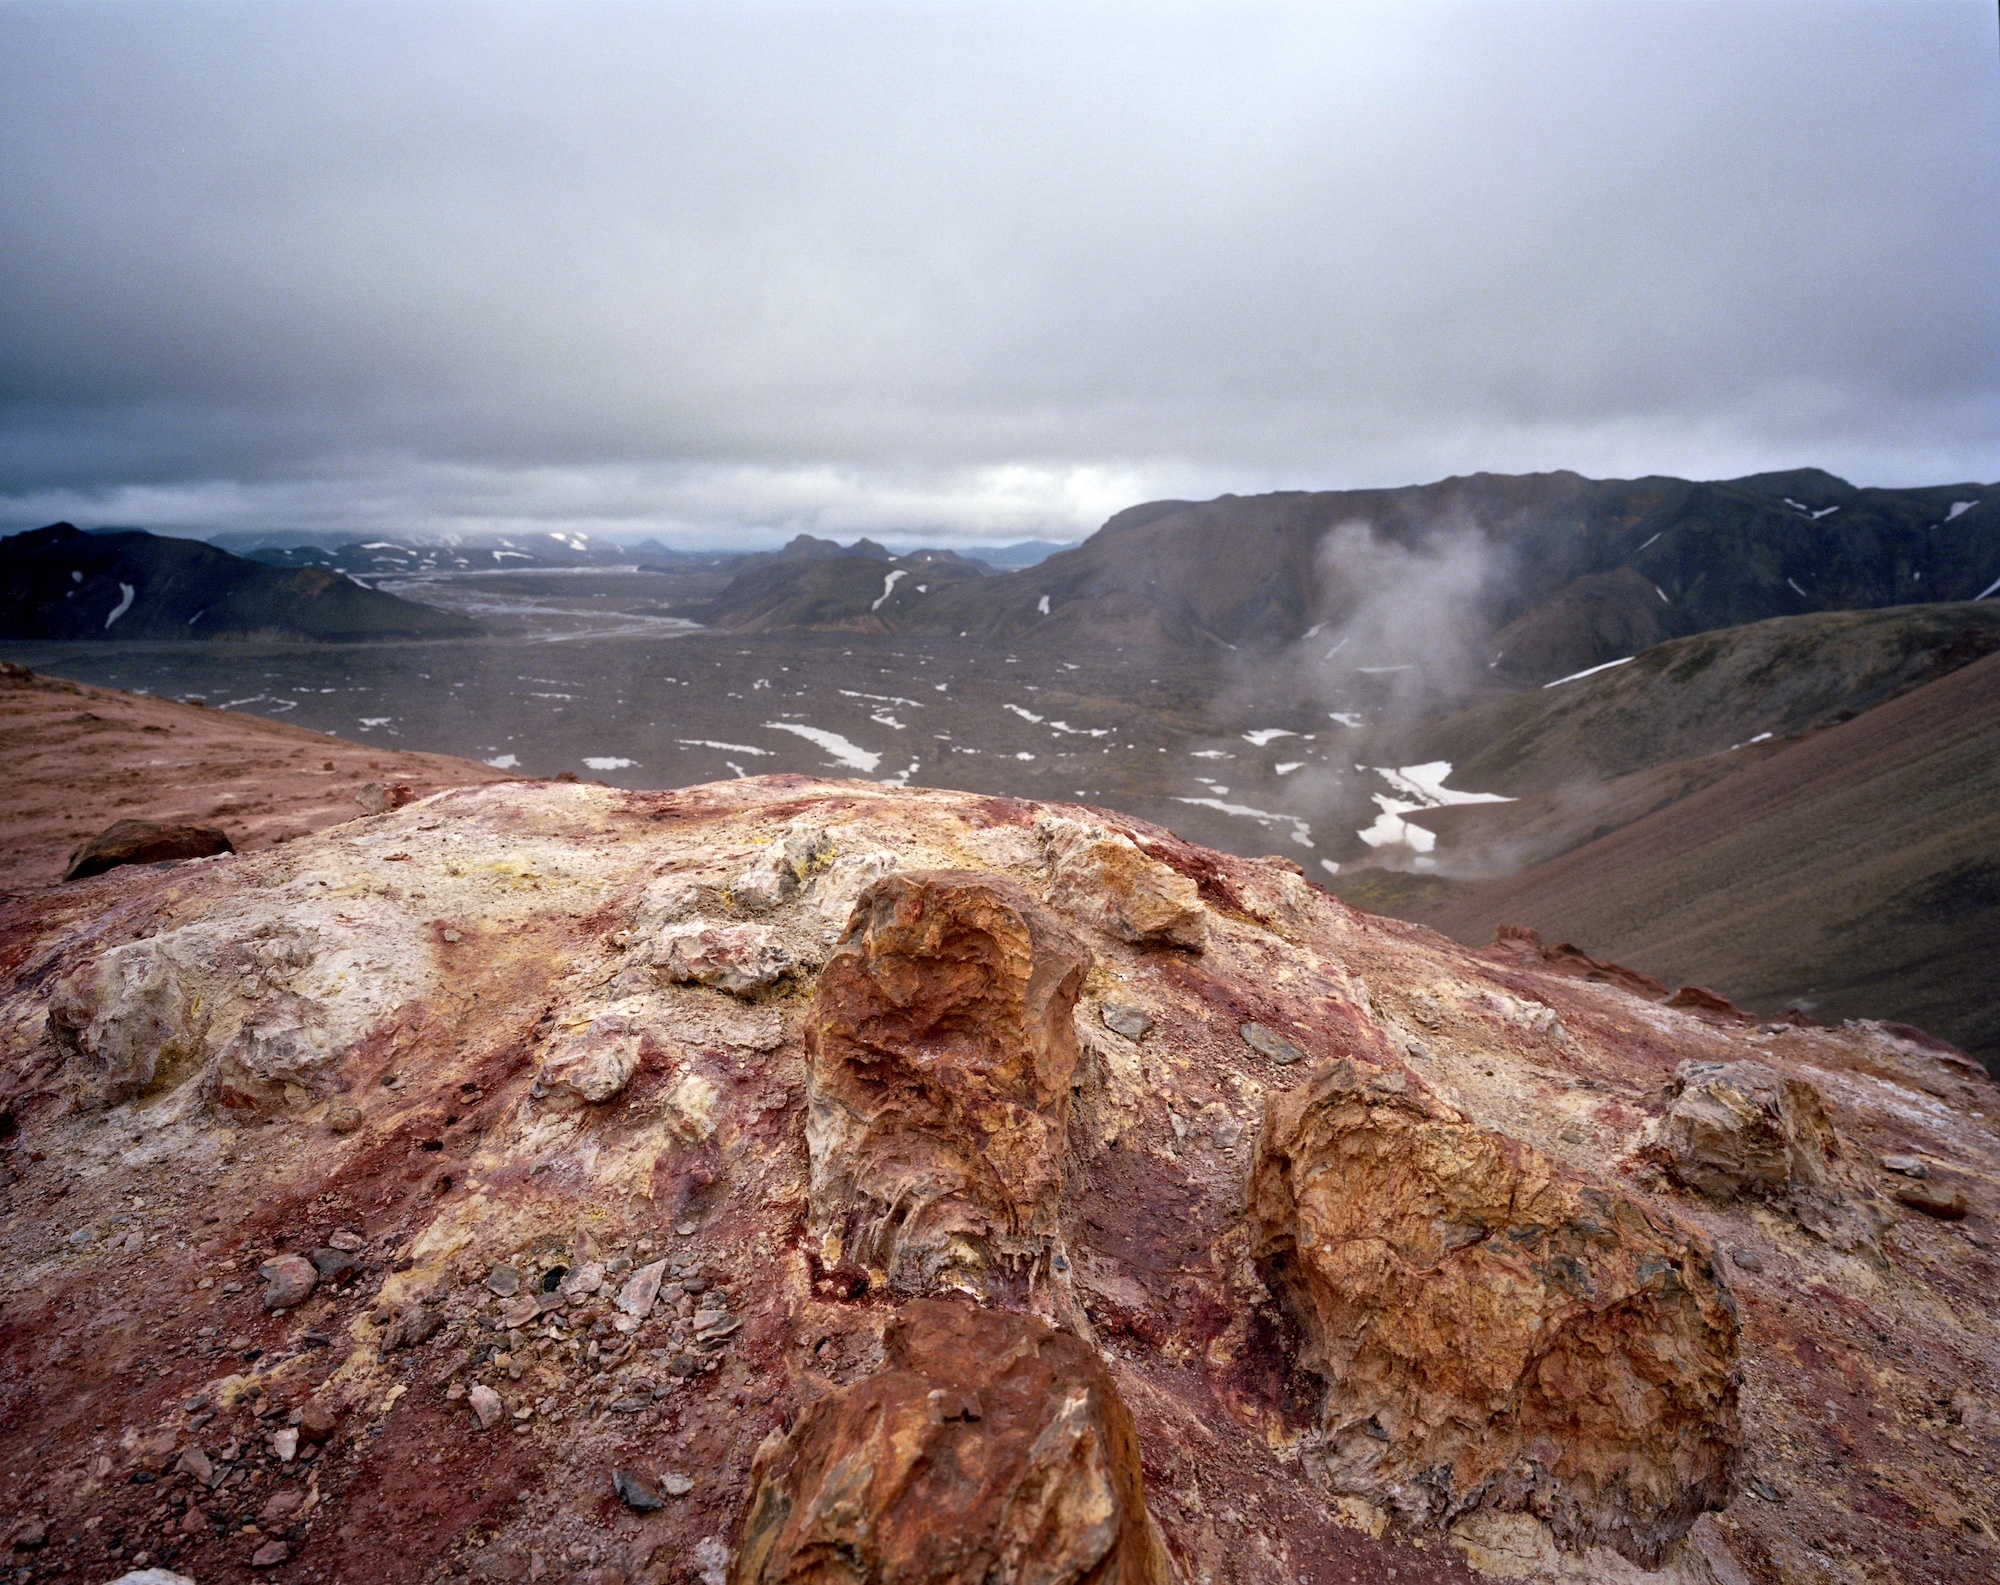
<point x="960" y="271"/>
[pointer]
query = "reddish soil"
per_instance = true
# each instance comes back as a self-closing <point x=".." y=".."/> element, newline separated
<point x="80" y="757"/>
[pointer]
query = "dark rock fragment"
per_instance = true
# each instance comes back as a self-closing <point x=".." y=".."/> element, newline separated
<point x="144" y="842"/>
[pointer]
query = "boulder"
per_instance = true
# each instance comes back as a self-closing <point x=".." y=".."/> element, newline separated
<point x="380" y="798"/>
<point x="740" y="959"/>
<point x="589" y="1067"/>
<point x="1743" y="1128"/>
<point x="289" y="1280"/>
<point x="1493" y="1332"/>
<point x="128" y="1020"/>
<point x="1011" y="1429"/>
<point x="777" y="873"/>
<point x="144" y="842"/>
<point x="1102" y="879"/>
<point x="941" y="1045"/>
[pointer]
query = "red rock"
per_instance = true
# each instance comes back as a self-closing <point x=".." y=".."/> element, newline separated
<point x="1521" y="942"/>
<point x="1705" y="1003"/>
<point x="1933" y="1199"/>
<point x="144" y="842"/>
<point x="942" y="1046"/>
<point x="316" y="1422"/>
<point x="1011" y="1429"/>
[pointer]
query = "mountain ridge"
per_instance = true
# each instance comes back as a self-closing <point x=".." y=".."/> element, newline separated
<point x="62" y="583"/>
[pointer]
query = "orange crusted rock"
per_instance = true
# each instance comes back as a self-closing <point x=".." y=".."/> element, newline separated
<point x="1493" y="1331"/>
<point x="941" y="1046"/>
<point x="988" y="1447"/>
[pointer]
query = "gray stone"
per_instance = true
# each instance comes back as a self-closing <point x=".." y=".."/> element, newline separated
<point x="1267" y="1043"/>
<point x="1907" y="1166"/>
<point x="1748" y="1259"/>
<point x="1131" y="1022"/>
<point x="504" y="1280"/>
<point x="289" y="1280"/>
<point x="639" y="1292"/>
<point x="634" y="1491"/>
<point x="676" y="1485"/>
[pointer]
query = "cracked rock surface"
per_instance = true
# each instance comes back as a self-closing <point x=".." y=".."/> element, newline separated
<point x="951" y="1227"/>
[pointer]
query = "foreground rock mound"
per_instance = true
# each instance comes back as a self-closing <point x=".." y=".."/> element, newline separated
<point x="1493" y="1331"/>
<point x="988" y="1448"/>
<point x="942" y="1045"/>
<point x="827" y="1182"/>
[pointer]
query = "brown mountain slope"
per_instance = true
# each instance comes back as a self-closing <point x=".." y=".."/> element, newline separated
<point x="1856" y="870"/>
<point x="790" y="1180"/>
<point x="80" y="757"/>
<point x="1548" y="573"/>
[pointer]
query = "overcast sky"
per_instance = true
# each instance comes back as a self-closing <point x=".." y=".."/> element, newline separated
<point x="953" y="272"/>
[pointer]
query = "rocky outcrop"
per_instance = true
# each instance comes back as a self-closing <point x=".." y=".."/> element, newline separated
<point x="942" y="1049"/>
<point x="1379" y="1242"/>
<point x="1101" y="877"/>
<point x="988" y="1448"/>
<point x="1493" y="1331"/>
<point x="127" y="1019"/>
<point x="1745" y="1128"/>
<point x="144" y="842"/>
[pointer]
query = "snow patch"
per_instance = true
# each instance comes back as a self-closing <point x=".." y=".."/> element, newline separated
<point x="504" y="762"/>
<point x="1391" y="829"/>
<point x="727" y="748"/>
<point x="1042" y="605"/>
<point x="1025" y="715"/>
<point x="1956" y="508"/>
<point x="1426" y="782"/>
<point x="1264" y="735"/>
<point x="1588" y="671"/>
<point x="1301" y="832"/>
<point x="889" y="587"/>
<point x="608" y="762"/>
<point x="125" y="604"/>
<point x="844" y="752"/>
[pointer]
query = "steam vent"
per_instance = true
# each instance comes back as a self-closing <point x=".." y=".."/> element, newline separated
<point x="793" y="1182"/>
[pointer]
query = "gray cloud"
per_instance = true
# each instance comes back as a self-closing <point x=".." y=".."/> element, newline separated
<point x="973" y="272"/>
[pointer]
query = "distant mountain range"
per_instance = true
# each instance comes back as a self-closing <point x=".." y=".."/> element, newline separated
<point x="496" y="553"/>
<point x="1571" y="572"/>
<point x="61" y="583"/>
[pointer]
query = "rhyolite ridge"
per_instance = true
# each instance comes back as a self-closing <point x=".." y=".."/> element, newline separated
<point x="796" y="1181"/>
